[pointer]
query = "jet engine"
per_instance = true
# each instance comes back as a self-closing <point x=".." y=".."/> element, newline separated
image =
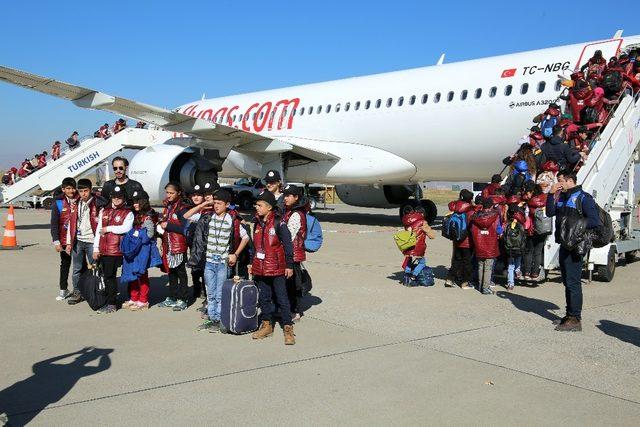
<point x="369" y="196"/>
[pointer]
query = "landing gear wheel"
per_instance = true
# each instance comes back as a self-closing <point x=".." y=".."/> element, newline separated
<point x="606" y="272"/>
<point x="430" y="210"/>
<point x="630" y="257"/>
<point x="245" y="202"/>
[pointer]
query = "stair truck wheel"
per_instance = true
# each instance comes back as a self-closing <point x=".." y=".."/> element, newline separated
<point x="606" y="272"/>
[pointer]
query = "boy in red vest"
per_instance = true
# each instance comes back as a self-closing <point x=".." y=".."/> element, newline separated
<point x="272" y="264"/>
<point x="115" y="220"/>
<point x="64" y="217"/>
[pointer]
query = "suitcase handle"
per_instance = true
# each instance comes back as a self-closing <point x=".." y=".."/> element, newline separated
<point x="255" y="313"/>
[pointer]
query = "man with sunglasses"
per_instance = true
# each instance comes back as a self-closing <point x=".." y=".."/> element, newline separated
<point x="130" y="186"/>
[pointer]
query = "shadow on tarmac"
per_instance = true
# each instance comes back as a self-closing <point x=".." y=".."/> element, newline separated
<point x="391" y="220"/>
<point x="626" y="333"/>
<point x="440" y="272"/>
<point x="33" y="227"/>
<point x="50" y="382"/>
<point x="531" y="305"/>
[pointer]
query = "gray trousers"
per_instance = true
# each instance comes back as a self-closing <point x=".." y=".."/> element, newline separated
<point x="485" y="270"/>
<point x="81" y="254"/>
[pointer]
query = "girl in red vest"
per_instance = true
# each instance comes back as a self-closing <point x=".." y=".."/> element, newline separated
<point x="272" y="264"/>
<point x="115" y="220"/>
<point x="174" y="247"/>
<point x="295" y="216"/>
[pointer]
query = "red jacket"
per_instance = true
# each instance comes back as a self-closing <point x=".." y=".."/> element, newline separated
<point x="484" y="232"/>
<point x="490" y="189"/>
<point x="460" y="206"/>
<point x="415" y="222"/>
<point x="268" y="247"/>
<point x="299" y="252"/>
<point x="578" y="100"/>
<point x="110" y="242"/>
<point x="174" y="242"/>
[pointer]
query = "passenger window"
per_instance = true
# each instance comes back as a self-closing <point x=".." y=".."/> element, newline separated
<point x="525" y="88"/>
<point x="389" y="102"/>
<point x="412" y="100"/>
<point x="478" y="93"/>
<point x="357" y="105"/>
<point x="253" y="116"/>
<point x="558" y="85"/>
<point x="450" y="96"/>
<point x="328" y="108"/>
<point x="367" y="105"/>
<point x="302" y="111"/>
<point x="234" y="118"/>
<point x="337" y="108"/>
<point x="425" y="98"/>
<point x="378" y="103"/>
<point x="261" y="115"/>
<point x="347" y="106"/>
<point x="507" y="90"/>
<point x="541" y="86"/>
<point x="436" y="98"/>
<point x="310" y="110"/>
<point x="400" y="101"/>
<point x="319" y="109"/>
<point x="293" y="113"/>
<point x="463" y="94"/>
<point x="493" y="91"/>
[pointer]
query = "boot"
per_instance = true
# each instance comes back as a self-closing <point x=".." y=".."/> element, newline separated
<point x="266" y="330"/>
<point x="289" y="336"/>
<point x="572" y="324"/>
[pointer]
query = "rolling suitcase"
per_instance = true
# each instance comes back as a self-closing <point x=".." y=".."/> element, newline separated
<point x="239" y="306"/>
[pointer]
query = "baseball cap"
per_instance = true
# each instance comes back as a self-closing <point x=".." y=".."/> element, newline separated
<point x="272" y="176"/>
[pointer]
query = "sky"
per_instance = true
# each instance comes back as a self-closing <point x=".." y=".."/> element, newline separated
<point x="168" y="53"/>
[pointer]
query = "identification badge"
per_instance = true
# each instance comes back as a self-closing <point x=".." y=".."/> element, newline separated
<point x="259" y="255"/>
<point x="135" y="233"/>
<point x="272" y="232"/>
<point x="117" y="217"/>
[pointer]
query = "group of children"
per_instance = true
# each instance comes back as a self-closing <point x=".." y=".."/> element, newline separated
<point x="204" y="232"/>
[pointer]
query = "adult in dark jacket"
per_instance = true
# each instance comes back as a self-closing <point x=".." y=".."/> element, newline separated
<point x="130" y="186"/>
<point x="556" y="149"/>
<point x="571" y="205"/>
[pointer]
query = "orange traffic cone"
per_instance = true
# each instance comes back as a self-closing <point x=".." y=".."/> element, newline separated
<point x="9" y="241"/>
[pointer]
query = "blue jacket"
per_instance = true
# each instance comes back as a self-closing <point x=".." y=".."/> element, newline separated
<point x="139" y="254"/>
<point x="589" y="208"/>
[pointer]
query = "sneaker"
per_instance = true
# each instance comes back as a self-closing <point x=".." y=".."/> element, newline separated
<point x="202" y="308"/>
<point x="128" y="304"/>
<point x="75" y="298"/>
<point x="510" y="287"/>
<point x="204" y="316"/>
<point x="62" y="295"/>
<point x="139" y="306"/>
<point x="205" y="326"/>
<point x="448" y="283"/>
<point x="180" y="305"/>
<point x="215" y="327"/>
<point x="534" y="277"/>
<point x="526" y="278"/>
<point x="487" y="291"/>
<point x="296" y="317"/>
<point x="168" y="302"/>
<point x="466" y="286"/>
<point x="106" y="309"/>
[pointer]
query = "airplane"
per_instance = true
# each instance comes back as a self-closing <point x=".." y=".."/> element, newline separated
<point x="376" y="137"/>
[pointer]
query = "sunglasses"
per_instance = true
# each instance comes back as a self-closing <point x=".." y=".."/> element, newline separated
<point x="118" y="168"/>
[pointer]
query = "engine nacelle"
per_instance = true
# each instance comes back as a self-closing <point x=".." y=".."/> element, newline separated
<point x="155" y="166"/>
<point x="369" y="196"/>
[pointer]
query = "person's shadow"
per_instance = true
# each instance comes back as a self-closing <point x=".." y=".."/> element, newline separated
<point x="531" y="305"/>
<point x="626" y="333"/>
<point x="50" y="382"/>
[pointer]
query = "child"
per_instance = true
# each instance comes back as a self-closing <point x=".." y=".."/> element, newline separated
<point x="145" y="220"/>
<point x="296" y="219"/>
<point x="414" y="262"/>
<point x="514" y="242"/>
<point x="461" y="266"/>
<point x="534" y="253"/>
<point x="192" y="216"/>
<point x="272" y="264"/>
<point x="485" y="232"/>
<point x="212" y="250"/>
<point x="174" y="247"/>
<point x="115" y="220"/>
<point x="64" y="218"/>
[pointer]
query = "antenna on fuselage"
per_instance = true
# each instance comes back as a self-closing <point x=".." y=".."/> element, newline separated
<point x="441" y="60"/>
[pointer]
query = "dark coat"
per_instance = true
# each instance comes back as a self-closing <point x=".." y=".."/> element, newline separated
<point x="555" y="149"/>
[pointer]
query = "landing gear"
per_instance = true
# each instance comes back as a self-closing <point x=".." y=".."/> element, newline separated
<point x="426" y="207"/>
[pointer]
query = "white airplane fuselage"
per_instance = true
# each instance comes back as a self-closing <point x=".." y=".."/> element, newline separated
<point x="447" y="139"/>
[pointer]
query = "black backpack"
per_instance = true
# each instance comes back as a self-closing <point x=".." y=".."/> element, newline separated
<point x="612" y="81"/>
<point x="92" y="287"/>
<point x="589" y="115"/>
<point x="515" y="238"/>
<point x="603" y="235"/>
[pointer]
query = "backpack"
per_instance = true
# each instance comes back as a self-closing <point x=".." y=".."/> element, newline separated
<point x="542" y="224"/>
<point x="405" y="239"/>
<point x="603" y="235"/>
<point x="547" y="124"/>
<point x="589" y="115"/>
<point x="612" y="81"/>
<point x="313" y="241"/>
<point x="515" y="238"/>
<point x="454" y="227"/>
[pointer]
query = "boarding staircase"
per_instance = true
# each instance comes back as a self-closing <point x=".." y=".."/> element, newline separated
<point x="79" y="161"/>
<point x="608" y="175"/>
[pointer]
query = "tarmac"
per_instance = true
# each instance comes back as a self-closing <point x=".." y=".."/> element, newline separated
<point x="369" y="351"/>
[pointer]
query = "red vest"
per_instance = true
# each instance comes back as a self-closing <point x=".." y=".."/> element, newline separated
<point x="299" y="253"/>
<point x="174" y="243"/>
<point x="267" y="243"/>
<point x="68" y="221"/>
<point x="110" y="242"/>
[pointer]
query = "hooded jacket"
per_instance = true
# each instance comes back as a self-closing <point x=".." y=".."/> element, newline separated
<point x="139" y="253"/>
<point x="485" y="233"/>
<point x="460" y="206"/>
<point x="556" y="149"/>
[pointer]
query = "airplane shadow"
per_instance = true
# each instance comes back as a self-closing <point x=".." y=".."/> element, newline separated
<point x="626" y="333"/>
<point x="50" y="382"/>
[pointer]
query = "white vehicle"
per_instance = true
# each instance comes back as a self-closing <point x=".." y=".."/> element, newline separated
<point x="374" y="137"/>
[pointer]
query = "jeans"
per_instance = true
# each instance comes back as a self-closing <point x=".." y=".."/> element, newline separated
<point x="215" y="273"/>
<point x="81" y="254"/>
<point x="514" y="264"/>
<point x="533" y="255"/>
<point x="485" y="272"/>
<point x="65" y="265"/>
<point x="571" y="270"/>
<point x="273" y="295"/>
